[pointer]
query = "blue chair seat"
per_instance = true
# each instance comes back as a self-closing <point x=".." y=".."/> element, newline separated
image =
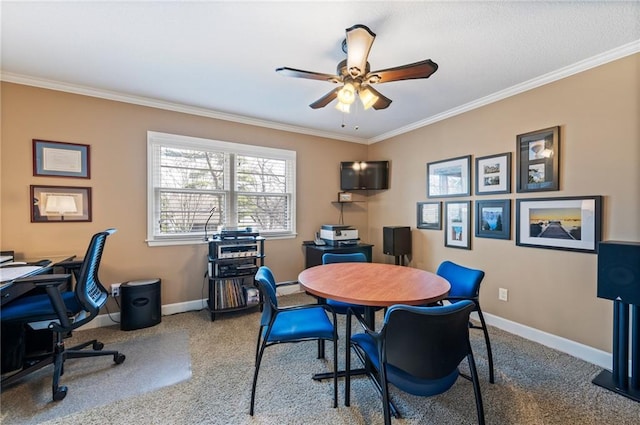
<point x="37" y="307"/>
<point x="310" y="323"/>
<point x="341" y="307"/>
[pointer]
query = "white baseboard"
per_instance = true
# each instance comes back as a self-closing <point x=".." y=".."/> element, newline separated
<point x="576" y="349"/>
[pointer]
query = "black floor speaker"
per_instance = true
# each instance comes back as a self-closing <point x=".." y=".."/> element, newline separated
<point x="619" y="271"/>
<point x="141" y="304"/>
<point x="396" y="240"/>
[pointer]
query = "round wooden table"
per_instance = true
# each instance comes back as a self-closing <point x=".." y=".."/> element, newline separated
<point x="374" y="284"/>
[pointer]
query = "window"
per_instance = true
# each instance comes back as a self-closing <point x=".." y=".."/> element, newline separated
<point x="196" y="185"/>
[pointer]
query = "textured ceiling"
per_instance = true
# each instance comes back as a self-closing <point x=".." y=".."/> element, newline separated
<point x="219" y="58"/>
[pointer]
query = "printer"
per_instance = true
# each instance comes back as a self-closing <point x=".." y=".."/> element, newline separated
<point x="339" y="234"/>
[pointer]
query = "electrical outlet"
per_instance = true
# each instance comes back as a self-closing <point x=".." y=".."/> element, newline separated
<point x="115" y="290"/>
<point x="503" y="294"/>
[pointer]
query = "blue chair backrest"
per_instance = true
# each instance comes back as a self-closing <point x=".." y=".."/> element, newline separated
<point x="465" y="282"/>
<point x="427" y="342"/>
<point x="267" y="284"/>
<point x="89" y="291"/>
<point x="355" y="257"/>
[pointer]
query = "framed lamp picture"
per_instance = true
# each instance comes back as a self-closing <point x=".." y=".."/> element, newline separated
<point x="493" y="174"/>
<point x="61" y="159"/>
<point x="450" y="177"/>
<point x="57" y="204"/>
<point x="457" y="232"/>
<point x="571" y="223"/>
<point x="429" y="215"/>
<point x="537" y="161"/>
<point x="493" y="219"/>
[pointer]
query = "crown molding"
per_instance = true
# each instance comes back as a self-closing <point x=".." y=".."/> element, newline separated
<point x="581" y="66"/>
<point x="169" y="106"/>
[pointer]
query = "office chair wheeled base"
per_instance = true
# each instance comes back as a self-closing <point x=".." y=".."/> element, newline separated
<point x="57" y="358"/>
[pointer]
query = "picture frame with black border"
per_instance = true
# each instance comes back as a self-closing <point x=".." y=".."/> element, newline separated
<point x="493" y="219"/>
<point x="457" y="220"/>
<point x="60" y="204"/>
<point x="428" y="215"/>
<point x="58" y="159"/>
<point x="449" y="177"/>
<point x="538" y="161"/>
<point x="493" y="174"/>
<point x="565" y="223"/>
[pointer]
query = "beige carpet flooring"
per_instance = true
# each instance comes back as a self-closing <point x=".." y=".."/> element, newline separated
<point x="534" y="384"/>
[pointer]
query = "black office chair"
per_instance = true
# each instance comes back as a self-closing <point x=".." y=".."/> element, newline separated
<point x="465" y="285"/>
<point x="418" y="350"/>
<point x="65" y="312"/>
<point x="291" y="324"/>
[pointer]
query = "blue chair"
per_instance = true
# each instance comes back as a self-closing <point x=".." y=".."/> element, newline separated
<point x="63" y="312"/>
<point x="418" y="350"/>
<point x="291" y="324"/>
<point x="465" y="285"/>
<point x="357" y="257"/>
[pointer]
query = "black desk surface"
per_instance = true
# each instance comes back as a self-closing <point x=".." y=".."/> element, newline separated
<point x="313" y="253"/>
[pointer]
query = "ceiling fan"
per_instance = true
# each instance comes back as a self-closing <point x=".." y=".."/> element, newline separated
<point x="355" y="76"/>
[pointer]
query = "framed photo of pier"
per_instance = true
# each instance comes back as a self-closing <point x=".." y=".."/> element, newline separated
<point x="537" y="160"/>
<point x="457" y="232"/>
<point x="493" y="219"/>
<point x="571" y="223"/>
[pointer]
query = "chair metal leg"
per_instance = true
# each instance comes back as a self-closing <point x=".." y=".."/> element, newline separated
<point x="476" y="388"/>
<point x="488" y="343"/>
<point x="255" y="376"/>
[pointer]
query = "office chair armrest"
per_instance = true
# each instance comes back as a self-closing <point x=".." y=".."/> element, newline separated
<point x="51" y="283"/>
<point x="44" y="280"/>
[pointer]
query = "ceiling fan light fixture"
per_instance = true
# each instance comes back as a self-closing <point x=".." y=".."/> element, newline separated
<point x="343" y="107"/>
<point x="367" y="97"/>
<point x="347" y="94"/>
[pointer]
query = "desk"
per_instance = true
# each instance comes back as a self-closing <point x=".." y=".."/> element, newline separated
<point x="18" y="341"/>
<point x="9" y="291"/>
<point x="373" y="285"/>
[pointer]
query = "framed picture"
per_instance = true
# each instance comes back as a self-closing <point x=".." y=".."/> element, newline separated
<point x="450" y="177"/>
<point x="493" y="219"/>
<point x="55" y="204"/>
<point x="457" y="232"/>
<point x="493" y="174"/>
<point x="429" y="215"/>
<point x="538" y="159"/>
<point x="572" y="223"/>
<point x="60" y="159"/>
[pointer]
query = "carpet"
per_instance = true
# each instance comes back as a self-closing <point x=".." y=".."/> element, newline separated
<point x="94" y="382"/>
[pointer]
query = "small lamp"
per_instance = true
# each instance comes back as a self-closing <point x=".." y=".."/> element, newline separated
<point x="367" y="97"/>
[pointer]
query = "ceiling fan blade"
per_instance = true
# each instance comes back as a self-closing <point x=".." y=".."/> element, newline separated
<point x="298" y="73"/>
<point x="326" y="99"/>
<point x="422" y="69"/>
<point x="383" y="102"/>
<point x="359" y="41"/>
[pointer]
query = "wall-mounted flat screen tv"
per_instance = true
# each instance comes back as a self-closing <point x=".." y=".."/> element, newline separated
<point x="364" y="175"/>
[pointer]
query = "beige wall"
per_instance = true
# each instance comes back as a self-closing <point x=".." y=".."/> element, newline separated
<point x="117" y="134"/>
<point x="554" y="291"/>
<point x="550" y="290"/>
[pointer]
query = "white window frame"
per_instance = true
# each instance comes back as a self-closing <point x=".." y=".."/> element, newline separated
<point x="155" y="140"/>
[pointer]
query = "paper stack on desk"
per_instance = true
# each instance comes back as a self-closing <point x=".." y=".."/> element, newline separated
<point x="7" y="274"/>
